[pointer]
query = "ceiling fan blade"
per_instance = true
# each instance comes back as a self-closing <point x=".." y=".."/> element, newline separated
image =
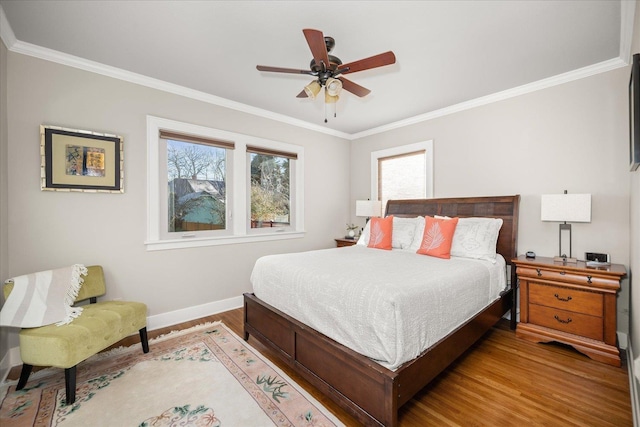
<point x="315" y="40"/>
<point x="354" y="88"/>
<point x="375" y="61"/>
<point x="282" y="70"/>
<point x="302" y="94"/>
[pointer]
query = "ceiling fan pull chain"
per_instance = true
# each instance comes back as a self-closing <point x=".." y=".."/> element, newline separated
<point x="325" y="112"/>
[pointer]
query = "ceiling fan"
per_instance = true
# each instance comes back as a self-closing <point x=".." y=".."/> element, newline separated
<point x="328" y="69"/>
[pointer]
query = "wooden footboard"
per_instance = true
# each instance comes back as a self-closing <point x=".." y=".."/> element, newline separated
<point x="369" y="392"/>
<point x="359" y="385"/>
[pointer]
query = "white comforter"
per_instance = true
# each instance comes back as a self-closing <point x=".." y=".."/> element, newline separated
<point x="387" y="305"/>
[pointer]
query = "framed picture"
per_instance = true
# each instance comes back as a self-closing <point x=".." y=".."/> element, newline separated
<point x="634" y="113"/>
<point x="79" y="160"/>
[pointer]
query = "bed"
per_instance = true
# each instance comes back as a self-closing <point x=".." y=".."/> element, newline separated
<point x="369" y="391"/>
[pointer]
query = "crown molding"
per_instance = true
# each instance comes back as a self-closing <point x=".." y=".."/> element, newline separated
<point x="51" y="55"/>
<point x="6" y="32"/>
<point x="627" y="16"/>
<point x="580" y="73"/>
<point x="128" y="76"/>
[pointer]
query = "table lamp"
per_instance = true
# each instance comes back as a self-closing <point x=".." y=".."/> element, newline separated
<point x="565" y="208"/>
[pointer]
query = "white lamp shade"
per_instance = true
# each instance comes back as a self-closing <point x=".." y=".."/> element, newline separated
<point x="368" y="208"/>
<point x="566" y="207"/>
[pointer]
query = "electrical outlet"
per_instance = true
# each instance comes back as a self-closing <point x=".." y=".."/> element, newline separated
<point x="595" y="256"/>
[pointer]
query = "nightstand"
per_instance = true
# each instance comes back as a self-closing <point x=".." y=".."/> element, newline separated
<point x="570" y="303"/>
<point x="345" y="242"/>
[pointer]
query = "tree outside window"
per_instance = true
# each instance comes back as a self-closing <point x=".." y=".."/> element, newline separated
<point x="197" y="187"/>
<point x="270" y="191"/>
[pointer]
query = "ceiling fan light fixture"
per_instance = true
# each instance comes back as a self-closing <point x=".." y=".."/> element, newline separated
<point x="328" y="98"/>
<point x="333" y="86"/>
<point x="312" y="89"/>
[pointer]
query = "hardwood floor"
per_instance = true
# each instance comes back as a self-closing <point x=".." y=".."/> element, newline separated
<point x="500" y="381"/>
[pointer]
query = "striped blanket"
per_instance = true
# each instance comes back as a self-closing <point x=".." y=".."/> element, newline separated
<point x="43" y="298"/>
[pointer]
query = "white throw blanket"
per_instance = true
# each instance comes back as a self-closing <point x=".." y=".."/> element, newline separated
<point x="43" y="298"/>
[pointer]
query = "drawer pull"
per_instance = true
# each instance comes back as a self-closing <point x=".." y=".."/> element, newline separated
<point x="562" y="273"/>
<point x="539" y="272"/>
<point x="562" y="299"/>
<point x="562" y="321"/>
<point x="589" y="279"/>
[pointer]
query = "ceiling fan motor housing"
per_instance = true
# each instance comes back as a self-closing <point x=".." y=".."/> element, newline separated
<point x="334" y="62"/>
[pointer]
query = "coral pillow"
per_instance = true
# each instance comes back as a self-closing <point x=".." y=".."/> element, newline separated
<point x="437" y="237"/>
<point x="381" y="233"/>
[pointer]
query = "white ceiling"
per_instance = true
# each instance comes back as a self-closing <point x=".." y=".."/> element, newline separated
<point x="447" y="53"/>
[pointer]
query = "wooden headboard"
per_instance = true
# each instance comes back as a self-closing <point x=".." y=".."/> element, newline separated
<point x="505" y="207"/>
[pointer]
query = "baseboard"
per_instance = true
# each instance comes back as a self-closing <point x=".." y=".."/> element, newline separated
<point x="633" y="368"/>
<point x="12" y="357"/>
<point x="623" y="340"/>
<point x="190" y="313"/>
<point x="4" y="367"/>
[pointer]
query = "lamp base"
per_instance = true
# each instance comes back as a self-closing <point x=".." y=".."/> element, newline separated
<point x="565" y="260"/>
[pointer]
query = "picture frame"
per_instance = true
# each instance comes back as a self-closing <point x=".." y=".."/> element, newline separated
<point x="80" y="160"/>
<point x="634" y="114"/>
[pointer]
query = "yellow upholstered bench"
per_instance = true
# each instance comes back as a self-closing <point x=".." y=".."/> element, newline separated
<point x="100" y="325"/>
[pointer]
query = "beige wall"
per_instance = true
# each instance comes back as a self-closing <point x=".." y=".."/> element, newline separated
<point x="572" y="136"/>
<point x="52" y="229"/>
<point x="634" y="246"/>
<point x="4" y="340"/>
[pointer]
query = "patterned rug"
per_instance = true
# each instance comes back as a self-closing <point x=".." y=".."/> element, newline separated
<point x="203" y="376"/>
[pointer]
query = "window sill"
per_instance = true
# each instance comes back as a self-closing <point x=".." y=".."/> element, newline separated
<point x="194" y="242"/>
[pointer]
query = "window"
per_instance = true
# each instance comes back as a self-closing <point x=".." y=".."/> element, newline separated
<point x="211" y="187"/>
<point x="404" y="172"/>
<point x="197" y="177"/>
<point x="270" y="180"/>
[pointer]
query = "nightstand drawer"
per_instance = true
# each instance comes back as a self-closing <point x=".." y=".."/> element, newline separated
<point x="568" y="277"/>
<point x="567" y="321"/>
<point x="566" y="299"/>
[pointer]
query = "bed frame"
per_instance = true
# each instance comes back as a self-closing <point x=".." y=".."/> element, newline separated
<point x="369" y="392"/>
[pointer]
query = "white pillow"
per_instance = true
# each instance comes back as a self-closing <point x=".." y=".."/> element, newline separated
<point x="417" y="234"/>
<point x="402" y="234"/>
<point x="363" y="240"/>
<point x="476" y="238"/>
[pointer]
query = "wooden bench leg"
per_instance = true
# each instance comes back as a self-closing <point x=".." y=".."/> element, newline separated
<point x="144" y="340"/>
<point x="24" y="376"/>
<point x="70" y="384"/>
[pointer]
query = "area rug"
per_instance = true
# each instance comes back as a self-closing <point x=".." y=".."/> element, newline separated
<point x="203" y="376"/>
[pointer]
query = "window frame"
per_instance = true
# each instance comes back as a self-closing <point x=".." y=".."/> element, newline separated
<point x="164" y="191"/>
<point x="426" y="146"/>
<point x="237" y="189"/>
<point x="293" y="186"/>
